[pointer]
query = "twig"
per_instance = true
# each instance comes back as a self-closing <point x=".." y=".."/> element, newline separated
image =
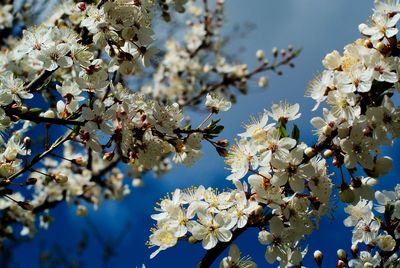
<point x="39" y="157"/>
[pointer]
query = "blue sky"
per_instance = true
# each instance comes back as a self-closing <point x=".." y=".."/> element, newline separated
<point x="317" y="26"/>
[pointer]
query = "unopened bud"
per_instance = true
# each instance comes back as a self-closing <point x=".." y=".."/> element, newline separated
<point x="328" y="153"/>
<point x="49" y="114"/>
<point x="222" y="151"/>
<point x="346" y="195"/>
<point x="263" y="82"/>
<point x="368" y="43"/>
<point x="260" y="54"/>
<point x="259" y="210"/>
<point x="336" y="162"/>
<point x="137" y="182"/>
<point x="380" y="46"/>
<point x="24" y="109"/>
<point x="327" y="130"/>
<point x="192" y="240"/>
<point x="79" y="161"/>
<point x="222" y="143"/>
<point x="59" y="178"/>
<point x="354" y="250"/>
<point x="27" y="142"/>
<point x="275" y="52"/>
<point x="341" y="254"/>
<point x="340" y="264"/>
<point x="81" y="211"/>
<point x="108" y="156"/>
<point x="81" y="6"/>
<point x="318" y="257"/>
<point x="310" y="151"/>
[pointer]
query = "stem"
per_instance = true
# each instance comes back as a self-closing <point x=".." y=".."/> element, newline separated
<point x="205" y="120"/>
<point x="57" y="121"/>
<point x="39" y="157"/>
<point x="38" y="81"/>
<point x="212" y="254"/>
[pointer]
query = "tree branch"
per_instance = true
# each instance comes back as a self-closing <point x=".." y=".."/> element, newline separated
<point x="57" y="121"/>
<point x="39" y="157"/>
<point x="38" y="81"/>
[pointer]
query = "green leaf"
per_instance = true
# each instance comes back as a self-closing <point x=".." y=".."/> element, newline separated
<point x="282" y="131"/>
<point x="295" y="133"/>
<point x="35" y="111"/>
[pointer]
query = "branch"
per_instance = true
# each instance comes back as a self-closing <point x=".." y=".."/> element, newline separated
<point x="229" y="81"/>
<point x="38" y="81"/>
<point x="212" y="254"/>
<point x="95" y="178"/>
<point x="56" y="121"/>
<point x="39" y="157"/>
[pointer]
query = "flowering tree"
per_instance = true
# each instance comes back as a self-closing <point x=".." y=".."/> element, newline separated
<point x="88" y="98"/>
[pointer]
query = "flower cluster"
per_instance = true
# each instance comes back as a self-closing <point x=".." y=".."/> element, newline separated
<point x="289" y="181"/>
<point x="287" y="192"/>
<point x="357" y="87"/>
<point x="378" y="232"/>
<point x="183" y="77"/>
<point x="201" y="214"/>
<point x="67" y="83"/>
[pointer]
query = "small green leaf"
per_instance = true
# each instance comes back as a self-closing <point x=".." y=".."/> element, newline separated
<point x="35" y="111"/>
<point x="282" y="131"/>
<point x="295" y="133"/>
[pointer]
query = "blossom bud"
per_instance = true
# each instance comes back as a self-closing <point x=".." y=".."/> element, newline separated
<point x="318" y="256"/>
<point x="207" y="68"/>
<point x="340" y="264"/>
<point x="222" y="143"/>
<point x="79" y="161"/>
<point x="275" y="52"/>
<point x="192" y="240"/>
<point x="263" y="237"/>
<point x="310" y="151"/>
<point x="260" y="54"/>
<point x="341" y="254"/>
<point x="27" y="142"/>
<point x="24" y="109"/>
<point x="327" y="130"/>
<point x="259" y="210"/>
<point x="222" y="151"/>
<point x="328" y="153"/>
<point x="81" y="6"/>
<point x="59" y="178"/>
<point x="346" y="195"/>
<point x="263" y="82"/>
<point x="137" y="182"/>
<point x="380" y="46"/>
<point x="49" y="114"/>
<point x="336" y="162"/>
<point x="354" y="250"/>
<point x="368" y="43"/>
<point x="81" y="211"/>
<point x="108" y="156"/>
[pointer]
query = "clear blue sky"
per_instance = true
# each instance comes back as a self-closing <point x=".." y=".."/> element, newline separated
<point x="317" y="26"/>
